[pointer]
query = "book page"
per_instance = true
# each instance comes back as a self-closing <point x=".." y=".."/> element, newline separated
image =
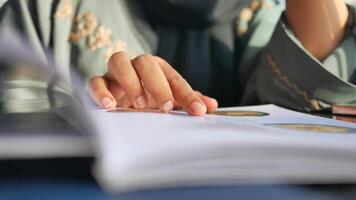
<point x="149" y="149"/>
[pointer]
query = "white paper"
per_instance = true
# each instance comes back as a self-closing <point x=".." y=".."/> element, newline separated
<point x="149" y="150"/>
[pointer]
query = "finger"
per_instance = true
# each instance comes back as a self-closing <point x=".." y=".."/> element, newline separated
<point x="178" y="106"/>
<point x="116" y="90"/>
<point x="210" y="103"/>
<point x="122" y="71"/>
<point x="98" y="89"/>
<point x="182" y="92"/>
<point x="198" y="93"/>
<point x="154" y="81"/>
<point x="151" y="102"/>
<point x="124" y="102"/>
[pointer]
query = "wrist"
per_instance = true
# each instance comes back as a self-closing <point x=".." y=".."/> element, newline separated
<point x="318" y="24"/>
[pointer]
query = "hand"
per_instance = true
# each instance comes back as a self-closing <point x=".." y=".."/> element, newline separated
<point x="146" y="82"/>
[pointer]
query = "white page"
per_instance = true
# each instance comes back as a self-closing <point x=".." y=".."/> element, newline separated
<point x="278" y="115"/>
<point x="145" y="149"/>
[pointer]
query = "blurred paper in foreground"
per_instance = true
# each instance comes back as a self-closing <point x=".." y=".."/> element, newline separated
<point x="39" y="116"/>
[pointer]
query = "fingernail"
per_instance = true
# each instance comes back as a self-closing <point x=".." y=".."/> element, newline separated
<point x="167" y="107"/>
<point x="140" y="102"/>
<point x="198" y="107"/>
<point x="107" y="103"/>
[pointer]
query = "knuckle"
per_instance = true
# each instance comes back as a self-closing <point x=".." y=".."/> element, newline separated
<point x="144" y="63"/>
<point x="159" y="59"/>
<point x="198" y="93"/>
<point x="176" y="81"/>
<point x="116" y="58"/>
<point x="142" y="58"/>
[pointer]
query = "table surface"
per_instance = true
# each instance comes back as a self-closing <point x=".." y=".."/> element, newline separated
<point x="70" y="178"/>
<point x="48" y="188"/>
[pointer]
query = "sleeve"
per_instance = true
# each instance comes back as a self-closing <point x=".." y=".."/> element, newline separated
<point x="287" y="75"/>
<point x="78" y="34"/>
<point x="2" y="3"/>
<point x="18" y="21"/>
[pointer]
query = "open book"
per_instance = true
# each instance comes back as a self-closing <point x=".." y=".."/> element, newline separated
<point x="244" y="145"/>
<point x="139" y="149"/>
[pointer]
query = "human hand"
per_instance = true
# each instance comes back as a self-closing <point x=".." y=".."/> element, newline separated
<point x="146" y="81"/>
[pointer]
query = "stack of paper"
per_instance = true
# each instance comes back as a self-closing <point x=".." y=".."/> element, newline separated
<point x="267" y="144"/>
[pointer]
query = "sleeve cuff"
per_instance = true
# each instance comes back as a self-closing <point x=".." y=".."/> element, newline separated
<point x="292" y="77"/>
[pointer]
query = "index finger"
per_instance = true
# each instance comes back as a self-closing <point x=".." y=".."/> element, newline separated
<point x="154" y="81"/>
<point x="182" y="91"/>
<point x="120" y="70"/>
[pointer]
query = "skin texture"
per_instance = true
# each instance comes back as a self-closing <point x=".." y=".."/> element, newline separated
<point x="147" y="81"/>
<point x="318" y="24"/>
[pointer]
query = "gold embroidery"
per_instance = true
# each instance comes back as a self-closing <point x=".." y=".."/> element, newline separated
<point x="120" y="46"/>
<point x="255" y="5"/>
<point x="268" y="5"/>
<point x="313" y="102"/>
<point x="98" y="36"/>
<point x="101" y="38"/>
<point x="246" y="16"/>
<point x="83" y="26"/>
<point x="66" y="9"/>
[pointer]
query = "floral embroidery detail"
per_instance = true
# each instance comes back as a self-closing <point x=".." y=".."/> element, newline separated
<point x="83" y="26"/>
<point x="246" y="16"/>
<point x="66" y="9"/>
<point x="100" y="38"/>
<point x="97" y="36"/>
